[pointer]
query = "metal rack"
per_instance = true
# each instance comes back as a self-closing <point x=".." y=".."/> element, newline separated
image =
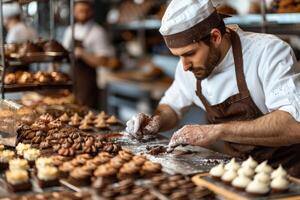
<point x="6" y="63"/>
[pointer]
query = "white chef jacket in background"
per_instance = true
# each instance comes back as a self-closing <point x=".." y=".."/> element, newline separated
<point x="21" y="33"/>
<point x="94" y="39"/>
<point x="270" y="71"/>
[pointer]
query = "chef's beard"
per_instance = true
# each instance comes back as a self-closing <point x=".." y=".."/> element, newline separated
<point x="212" y="61"/>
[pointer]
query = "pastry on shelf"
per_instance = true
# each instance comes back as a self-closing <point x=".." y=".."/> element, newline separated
<point x="47" y="176"/>
<point x="59" y="77"/>
<point x="25" y="78"/>
<point x="29" y="48"/>
<point x="52" y="46"/>
<point x="17" y="180"/>
<point x="42" y="77"/>
<point x="10" y="79"/>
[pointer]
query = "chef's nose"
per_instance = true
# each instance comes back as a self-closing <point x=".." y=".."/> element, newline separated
<point x="186" y="65"/>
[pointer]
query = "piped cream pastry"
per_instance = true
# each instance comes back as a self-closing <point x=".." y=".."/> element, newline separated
<point x="246" y="171"/>
<point x="257" y="188"/>
<point x="249" y="163"/>
<point x="262" y="177"/>
<point x="90" y="115"/>
<point x="278" y="172"/>
<point x="21" y="148"/>
<point x="102" y="115"/>
<point x="229" y="176"/>
<point x="232" y="165"/>
<point x="264" y="167"/>
<point x="6" y="156"/>
<point x="241" y="182"/>
<point x="16" y="177"/>
<point x="217" y="171"/>
<point x="101" y="124"/>
<point x="47" y="173"/>
<point x="279" y="184"/>
<point x="64" y="118"/>
<point x="112" y="120"/>
<point x="32" y="154"/>
<point x="43" y="162"/>
<point x="18" y="164"/>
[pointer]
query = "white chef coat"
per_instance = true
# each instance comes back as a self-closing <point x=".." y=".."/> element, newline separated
<point x="21" y="33"/>
<point x="270" y="71"/>
<point x="94" y="38"/>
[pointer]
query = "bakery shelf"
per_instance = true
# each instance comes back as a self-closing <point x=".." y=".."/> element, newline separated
<point x="37" y="87"/>
<point x="21" y="1"/>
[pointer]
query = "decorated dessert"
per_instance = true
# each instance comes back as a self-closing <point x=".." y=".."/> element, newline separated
<point x="18" y="164"/>
<point x="280" y="184"/>
<point x="258" y="188"/>
<point x="17" y="180"/>
<point x="232" y="165"/>
<point x="47" y="176"/>
<point x="217" y="171"/>
<point x="241" y="182"/>
<point x="5" y="157"/>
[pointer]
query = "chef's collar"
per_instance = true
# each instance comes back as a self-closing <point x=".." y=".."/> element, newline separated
<point x="189" y="21"/>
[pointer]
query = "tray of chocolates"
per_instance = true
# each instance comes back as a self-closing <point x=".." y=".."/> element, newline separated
<point x="249" y="180"/>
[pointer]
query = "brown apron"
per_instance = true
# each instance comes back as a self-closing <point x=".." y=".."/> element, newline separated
<point x="241" y="107"/>
<point x="85" y="82"/>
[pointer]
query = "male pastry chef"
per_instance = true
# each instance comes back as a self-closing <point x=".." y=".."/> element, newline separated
<point x="92" y="50"/>
<point x="247" y="83"/>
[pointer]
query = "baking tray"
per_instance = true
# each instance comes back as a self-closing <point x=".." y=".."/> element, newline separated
<point x="230" y="192"/>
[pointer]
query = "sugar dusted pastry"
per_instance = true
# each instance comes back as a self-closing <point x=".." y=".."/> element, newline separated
<point x="232" y="165"/>
<point x="264" y="167"/>
<point x="257" y="188"/>
<point x="280" y="184"/>
<point x="241" y="182"/>
<point x="249" y="163"/>
<point x="246" y="171"/>
<point x="217" y="171"/>
<point x="262" y="177"/>
<point x="278" y="172"/>
<point x="229" y="176"/>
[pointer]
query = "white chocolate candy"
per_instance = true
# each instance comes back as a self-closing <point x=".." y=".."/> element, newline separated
<point x="217" y="171"/>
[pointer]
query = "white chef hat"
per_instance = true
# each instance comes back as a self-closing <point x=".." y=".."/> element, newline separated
<point x="188" y="21"/>
<point x="11" y="10"/>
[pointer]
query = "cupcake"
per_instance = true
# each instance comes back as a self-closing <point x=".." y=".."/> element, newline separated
<point x="47" y="176"/>
<point x="17" y="180"/>
<point x="18" y="164"/>
<point x="264" y="167"/>
<point x="43" y="162"/>
<point x="21" y="148"/>
<point x="257" y="188"/>
<point x="262" y="177"/>
<point x="280" y="184"/>
<point x="31" y="155"/>
<point x="241" y="182"/>
<point x="246" y="171"/>
<point x="80" y="177"/>
<point x="217" y="171"/>
<point x="5" y="157"/>
<point x="232" y="165"/>
<point x="249" y="163"/>
<point x="229" y="176"/>
<point x="278" y="172"/>
<point x="112" y="120"/>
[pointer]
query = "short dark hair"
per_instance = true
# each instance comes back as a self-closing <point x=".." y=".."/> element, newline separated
<point x="222" y="29"/>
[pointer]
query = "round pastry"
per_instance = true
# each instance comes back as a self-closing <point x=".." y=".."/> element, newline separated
<point x="52" y="46"/>
<point x="59" y="77"/>
<point x="112" y="120"/>
<point x="264" y="167"/>
<point x="217" y="171"/>
<point x="262" y="177"/>
<point x="26" y="77"/>
<point x="65" y="169"/>
<point x="278" y="172"/>
<point x="150" y="168"/>
<point x="246" y="171"/>
<point x="10" y="79"/>
<point x="18" y="164"/>
<point x="249" y="163"/>
<point x="125" y="155"/>
<point x="280" y="184"/>
<point x="104" y="157"/>
<point x="241" y="182"/>
<point x="232" y="165"/>
<point x="21" y="148"/>
<point x="42" y="77"/>
<point x="43" y="162"/>
<point x="80" y="177"/>
<point x="257" y="188"/>
<point x="117" y="162"/>
<point x="139" y="160"/>
<point x="47" y="173"/>
<point x="229" y="176"/>
<point x="129" y="170"/>
<point x="64" y="118"/>
<point x="105" y="171"/>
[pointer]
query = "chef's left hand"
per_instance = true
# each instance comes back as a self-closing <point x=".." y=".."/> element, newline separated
<point x="196" y="135"/>
<point x="78" y="52"/>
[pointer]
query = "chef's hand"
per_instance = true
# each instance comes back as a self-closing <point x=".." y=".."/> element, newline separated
<point x="78" y="52"/>
<point x="195" y="135"/>
<point x="143" y="125"/>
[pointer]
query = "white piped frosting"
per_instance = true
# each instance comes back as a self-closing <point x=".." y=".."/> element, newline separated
<point x="21" y="148"/>
<point x="246" y="171"/>
<point x="6" y="156"/>
<point x="241" y="182"/>
<point x="217" y="171"/>
<point x="280" y="183"/>
<point x="264" y="167"/>
<point x="43" y="162"/>
<point x="278" y="172"/>
<point x="47" y="173"/>
<point x="18" y="164"/>
<point x="15" y="177"/>
<point x="262" y="177"/>
<point x="229" y="175"/>
<point x="257" y="187"/>
<point x="32" y="154"/>
<point x="249" y="163"/>
<point x="232" y="165"/>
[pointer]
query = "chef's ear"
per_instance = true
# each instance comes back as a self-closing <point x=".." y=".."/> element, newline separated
<point x="216" y="37"/>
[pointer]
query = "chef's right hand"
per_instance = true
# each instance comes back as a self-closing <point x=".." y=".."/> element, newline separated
<point x="143" y="125"/>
